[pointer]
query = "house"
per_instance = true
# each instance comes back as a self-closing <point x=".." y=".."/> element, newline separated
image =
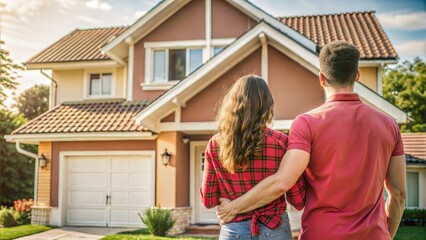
<point x="415" y="150"/>
<point x="123" y="98"/>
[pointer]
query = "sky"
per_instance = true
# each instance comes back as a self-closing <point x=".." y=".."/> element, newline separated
<point x="29" y="26"/>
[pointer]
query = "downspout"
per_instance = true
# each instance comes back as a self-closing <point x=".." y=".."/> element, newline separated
<point x="35" y="156"/>
<point x="55" y="88"/>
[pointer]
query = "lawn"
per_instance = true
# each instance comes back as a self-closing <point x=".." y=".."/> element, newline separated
<point x="144" y="234"/>
<point x="20" y="231"/>
<point x="411" y="233"/>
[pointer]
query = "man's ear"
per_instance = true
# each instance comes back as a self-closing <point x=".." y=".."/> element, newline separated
<point x="358" y="74"/>
<point x="322" y="79"/>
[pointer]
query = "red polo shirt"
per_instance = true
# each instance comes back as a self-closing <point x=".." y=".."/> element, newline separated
<point x="350" y="146"/>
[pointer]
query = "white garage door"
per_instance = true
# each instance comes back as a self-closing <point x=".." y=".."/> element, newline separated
<point x="108" y="190"/>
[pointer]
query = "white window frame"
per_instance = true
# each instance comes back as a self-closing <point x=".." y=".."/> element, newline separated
<point x="150" y="47"/>
<point x="418" y="190"/>
<point x="86" y="83"/>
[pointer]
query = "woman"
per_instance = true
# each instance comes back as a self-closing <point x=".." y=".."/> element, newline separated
<point x="244" y="152"/>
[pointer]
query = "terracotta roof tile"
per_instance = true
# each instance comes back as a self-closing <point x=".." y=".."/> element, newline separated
<point x="79" y="117"/>
<point x="360" y="28"/>
<point x="415" y="144"/>
<point x="79" y="45"/>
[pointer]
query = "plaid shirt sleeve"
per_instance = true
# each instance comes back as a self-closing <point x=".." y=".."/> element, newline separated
<point x="296" y="196"/>
<point x="209" y="189"/>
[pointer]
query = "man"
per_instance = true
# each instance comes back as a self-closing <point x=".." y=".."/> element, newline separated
<point x="349" y="151"/>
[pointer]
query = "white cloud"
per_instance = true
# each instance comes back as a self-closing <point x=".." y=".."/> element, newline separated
<point x="23" y="9"/>
<point x="403" y="20"/>
<point x="411" y="49"/>
<point x="96" y="4"/>
<point x="139" y="14"/>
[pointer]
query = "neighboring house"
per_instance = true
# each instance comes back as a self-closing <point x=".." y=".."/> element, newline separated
<point x="126" y="95"/>
<point x="415" y="149"/>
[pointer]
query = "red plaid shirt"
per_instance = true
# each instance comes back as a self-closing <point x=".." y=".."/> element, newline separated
<point x="218" y="182"/>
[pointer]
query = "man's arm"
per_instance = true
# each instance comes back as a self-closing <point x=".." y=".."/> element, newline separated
<point x="291" y="167"/>
<point x="395" y="186"/>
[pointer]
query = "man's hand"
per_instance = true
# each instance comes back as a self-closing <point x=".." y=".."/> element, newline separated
<point x="225" y="211"/>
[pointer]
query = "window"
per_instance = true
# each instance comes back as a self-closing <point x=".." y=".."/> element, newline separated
<point x="412" y="189"/>
<point x="217" y="50"/>
<point x="100" y="84"/>
<point x="175" y="64"/>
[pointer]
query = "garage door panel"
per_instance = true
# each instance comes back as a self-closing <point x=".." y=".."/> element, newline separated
<point x="88" y="163"/>
<point x="92" y="215"/>
<point x="127" y="179"/>
<point x="86" y="197"/>
<point x="87" y="180"/>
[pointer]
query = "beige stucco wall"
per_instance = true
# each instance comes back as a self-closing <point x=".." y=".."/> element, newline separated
<point x="71" y="82"/>
<point x="368" y="77"/>
<point x="172" y="188"/>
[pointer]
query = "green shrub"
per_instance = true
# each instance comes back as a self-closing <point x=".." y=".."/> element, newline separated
<point x="22" y="218"/>
<point x="158" y="220"/>
<point x="6" y="217"/>
<point x="411" y="216"/>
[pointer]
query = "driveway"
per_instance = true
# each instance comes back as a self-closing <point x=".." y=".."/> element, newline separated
<point x="75" y="233"/>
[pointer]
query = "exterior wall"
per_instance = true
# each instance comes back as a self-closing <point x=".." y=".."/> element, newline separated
<point x="172" y="180"/>
<point x="368" y="77"/>
<point x="295" y="89"/>
<point x="44" y="175"/>
<point x="169" y="118"/>
<point x="422" y="184"/>
<point x="203" y="106"/>
<point x="187" y="24"/>
<point x="182" y="172"/>
<point x="57" y="147"/>
<point x="71" y="83"/>
<point x="223" y="14"/>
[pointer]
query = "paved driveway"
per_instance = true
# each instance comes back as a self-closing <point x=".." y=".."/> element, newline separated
<point x="75" y="233"/>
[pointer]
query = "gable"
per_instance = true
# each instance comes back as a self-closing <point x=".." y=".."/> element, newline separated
<point x="203" y="106"/>
<point x="223" y="14"/>
<point x="294" y="88"/>
<point x="186" y="24"/>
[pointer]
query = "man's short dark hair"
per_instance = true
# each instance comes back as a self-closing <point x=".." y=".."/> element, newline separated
<point x="339" y="62"/>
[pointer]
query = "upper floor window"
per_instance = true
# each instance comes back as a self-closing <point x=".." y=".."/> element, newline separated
<point x="175" y="64"/>
<point x="217" y="50"/>
<point x="100" y="84"/>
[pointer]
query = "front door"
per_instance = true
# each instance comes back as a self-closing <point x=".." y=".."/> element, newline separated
<point x="202" y="214"/>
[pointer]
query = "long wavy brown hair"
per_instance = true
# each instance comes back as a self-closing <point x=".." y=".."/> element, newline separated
<point x="244" y="112"/>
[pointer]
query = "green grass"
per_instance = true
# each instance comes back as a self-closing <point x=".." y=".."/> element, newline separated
<point x="20" y="231"/>
<point x="142" y="234"/>
<point x="411" y="233"/>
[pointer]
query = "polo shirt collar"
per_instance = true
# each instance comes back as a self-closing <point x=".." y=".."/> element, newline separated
<point x="343" y="97"/>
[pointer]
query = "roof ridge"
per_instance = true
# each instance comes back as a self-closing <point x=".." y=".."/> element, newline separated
<point x="101" y="28"/>
<point x="327" y="14"/>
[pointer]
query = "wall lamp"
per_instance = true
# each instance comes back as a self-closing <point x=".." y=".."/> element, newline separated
<point x="42" y="160"/>
<point x="166" y="157"/>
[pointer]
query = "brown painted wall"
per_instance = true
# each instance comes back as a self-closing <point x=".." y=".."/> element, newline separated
<point x="202" y="107"/>
<point x="169" y="118"/>
<point x="57" y="147"/>
<point x="187" y="24"/>
<point x="294" y="88"/>
<point x="44" y="175"/>
<point x="223" y="14"/>
<point x="182" y="172"/>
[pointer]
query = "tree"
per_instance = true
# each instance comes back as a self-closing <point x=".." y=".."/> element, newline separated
<point x="8" y="73"/>
<point x="16" y="170"/>
<point x="405" y="86"/>
<point x="33" y="101"/>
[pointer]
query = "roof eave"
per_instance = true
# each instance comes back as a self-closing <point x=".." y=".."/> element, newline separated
<point x="85" y="136"/>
